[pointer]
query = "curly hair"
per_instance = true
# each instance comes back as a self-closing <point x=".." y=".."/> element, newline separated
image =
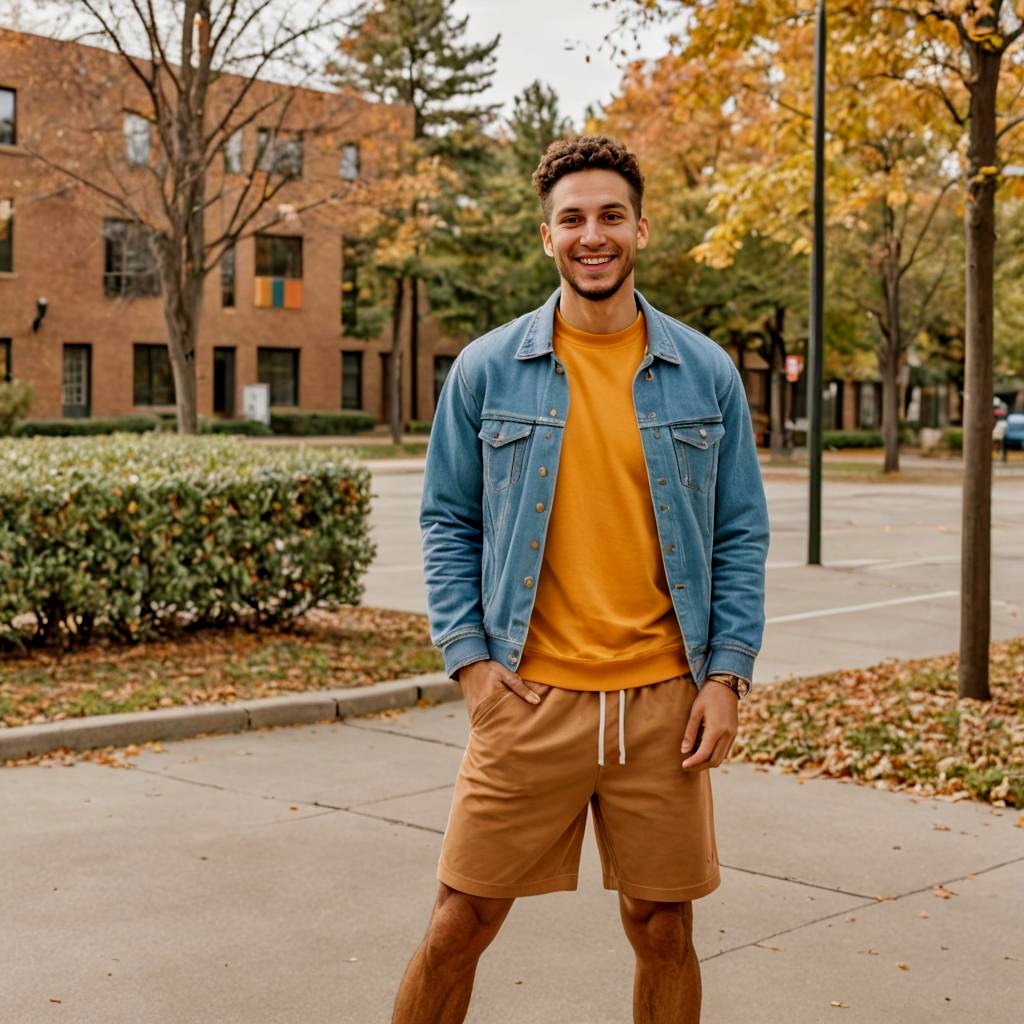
<point x="585" y="153"/>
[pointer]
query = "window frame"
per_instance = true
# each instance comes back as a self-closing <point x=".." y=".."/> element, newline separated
<point x="228" y="276"/>
<point x="278" y="353"/>
<point x="439" y="383"/>
<point x="276" y="152"/>
<point x="7" y="240"/>
<point x="352" y="359"/>
<point x="232" y="151"/>
<point x="6" y="360"/>
<point x="149" y="395"/>
<point x="350" y="163"/>
<point x="286" y="267"/>
<point x="13" y="139"/>
<point x="128" y="281"/>
<point x="134" y="136"/>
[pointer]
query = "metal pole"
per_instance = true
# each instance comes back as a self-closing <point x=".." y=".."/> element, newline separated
<point x="815" y="341"/>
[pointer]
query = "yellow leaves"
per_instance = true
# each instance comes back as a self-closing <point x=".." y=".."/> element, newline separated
<point x="839" y="1004"/>
<point x="942" y="892"/>
<point x="903" y="966"/>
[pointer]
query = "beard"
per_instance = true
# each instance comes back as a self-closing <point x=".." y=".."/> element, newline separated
<point x="596" y="291"/>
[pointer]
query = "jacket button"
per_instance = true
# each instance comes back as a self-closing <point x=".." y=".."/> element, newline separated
<point x="702" y="432"/>
<point x="558" y="369"/>
<point x="535" y="544"/>
<point x="680" y="586"/>
<point x="547" y="436"/>
<point x="664" y="508"/>
<point x="670" y="549"/>
<point x="662" y="480"/>
<point x="652" y="415"/>
<point x="539" y="506"/>
<point x="648" y="375"/>
<point x="512" y="658"/>
<point x="542" y="471"/>
<point x="553" y="412"/>
<point x="657" y="434"/>
<point x="528" y="582"/>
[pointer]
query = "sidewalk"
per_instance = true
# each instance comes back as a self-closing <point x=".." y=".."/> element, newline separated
<point x="285" y="876"/>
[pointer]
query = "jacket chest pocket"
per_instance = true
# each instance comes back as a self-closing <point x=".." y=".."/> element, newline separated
<point x="696" y="449"/>
<point x="504" y="445"/>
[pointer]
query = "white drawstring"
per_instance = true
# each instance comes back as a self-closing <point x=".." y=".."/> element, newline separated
<point x="602" y="718"/>
<point x="622" y="726"/>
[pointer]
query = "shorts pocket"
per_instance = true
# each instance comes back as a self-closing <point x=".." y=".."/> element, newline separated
<point x="488" y="704"/>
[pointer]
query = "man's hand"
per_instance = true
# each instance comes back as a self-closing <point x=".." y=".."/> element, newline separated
<point x="713" y="716"/>
<point x="484" y="677"/>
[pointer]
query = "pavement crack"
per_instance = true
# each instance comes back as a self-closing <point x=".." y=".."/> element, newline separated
<point x="800" y="881"/>
<point x="398" y="796"/>
<point x="395" y="821"/>
<point x="407" y="736"/>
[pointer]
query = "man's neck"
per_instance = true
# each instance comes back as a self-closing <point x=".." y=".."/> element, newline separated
<point x="606" y="317"/>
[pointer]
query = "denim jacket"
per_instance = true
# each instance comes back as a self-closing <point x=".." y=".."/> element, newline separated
<point x="492" y="467"/>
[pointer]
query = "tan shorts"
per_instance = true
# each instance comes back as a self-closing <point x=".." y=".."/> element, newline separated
<point x="530" y="770"/>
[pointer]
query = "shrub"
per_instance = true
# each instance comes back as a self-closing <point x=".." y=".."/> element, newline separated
<point x="89" y="426"/>
<point x="251" y="428"/>
<point x="861" y="438"/>
<point x="15" y="398"/>
<point x="134" y="536"/>
<point x="418" y="427"/>
<point x="953" y="438"/>
<point x="334" y="423"/>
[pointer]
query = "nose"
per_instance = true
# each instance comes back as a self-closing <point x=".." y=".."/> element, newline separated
<point x="593" y="233"/>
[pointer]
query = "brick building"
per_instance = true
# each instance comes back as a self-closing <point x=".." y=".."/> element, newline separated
<point x="81" y="318"/>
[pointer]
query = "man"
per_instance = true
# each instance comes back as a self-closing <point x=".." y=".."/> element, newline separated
<point x="594" y="526"/>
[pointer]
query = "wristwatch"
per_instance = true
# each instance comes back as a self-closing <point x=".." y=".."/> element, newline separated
<point x="739" y="686"/>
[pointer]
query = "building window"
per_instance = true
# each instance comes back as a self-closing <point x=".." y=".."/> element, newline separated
<point x="129" y="264"/>
<point x="6" y="236"/>
<point x="137" y="139"/>
<point x="362" y="305"/>
<point x="8" y="120"/>
<point x="279" y="153"/>
<point x="349" y="286"/>
<point x="351" y="380"/>
<point x="278" y="280"/>
<point x="153" y="379"/>
<point x="279" y="367"/>
<point x="868" y="407"/>
<point x="442" y="367"/>
<point x="227" y="276"/>
<point x="76" y="392"/>
<point x="349" y="165"/>
<point x="5" y="359"/>
<point x="233" y="153"/>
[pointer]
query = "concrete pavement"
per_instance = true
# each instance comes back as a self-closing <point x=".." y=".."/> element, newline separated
<point x="284" y="874"/>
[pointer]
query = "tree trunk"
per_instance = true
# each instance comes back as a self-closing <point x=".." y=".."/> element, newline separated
<point x="414" y="346"/>
<point x="976" y="533"/>
<point x="395" y="384"/>
<point x="891" y="346"/>
<point x="889" y="367"/>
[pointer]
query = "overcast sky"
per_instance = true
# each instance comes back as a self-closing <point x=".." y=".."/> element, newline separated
<point x="534" y="37"/>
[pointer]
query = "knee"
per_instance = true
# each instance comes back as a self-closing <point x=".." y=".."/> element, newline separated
<point x="461" y="928"/>
<point x="658" y="932"/>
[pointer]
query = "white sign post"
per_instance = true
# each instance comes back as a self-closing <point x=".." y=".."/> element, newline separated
<point x="256" y="403"/>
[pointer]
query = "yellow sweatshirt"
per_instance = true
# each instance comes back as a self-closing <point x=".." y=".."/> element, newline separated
<point x="603" y="617"/>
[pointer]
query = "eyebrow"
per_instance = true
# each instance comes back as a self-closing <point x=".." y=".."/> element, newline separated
<point x="561" y="211"/>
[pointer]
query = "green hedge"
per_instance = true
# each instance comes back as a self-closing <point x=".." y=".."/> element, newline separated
<point x="251" y="428"/>
<point x="953" y="438"/>
<point x="135" y="536"/>
<point x="307" y="424"/>
<point x="861" y="438"/>
<point x="418" y="427"/>
<point x="89" y="427"/>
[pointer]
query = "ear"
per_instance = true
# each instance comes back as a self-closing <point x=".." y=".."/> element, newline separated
<point x="643" y="233"/>
<point x="545" y="236"/>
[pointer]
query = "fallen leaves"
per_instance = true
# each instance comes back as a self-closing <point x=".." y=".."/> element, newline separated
<point x="896" y="726"/>
<point x="349" y="647"/>
<point x="839" y="1004"/>
<point x="942" y="892"/>
<point x="903" y="966"/>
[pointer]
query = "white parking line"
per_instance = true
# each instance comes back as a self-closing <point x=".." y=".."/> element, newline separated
<point x="820" y="613"/>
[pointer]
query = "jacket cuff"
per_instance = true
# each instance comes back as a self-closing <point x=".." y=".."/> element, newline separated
<point x="730" y="661"/>
<point x="464" y="651"/>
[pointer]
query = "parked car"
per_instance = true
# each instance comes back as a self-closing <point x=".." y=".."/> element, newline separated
<point x="1013" y="435"/>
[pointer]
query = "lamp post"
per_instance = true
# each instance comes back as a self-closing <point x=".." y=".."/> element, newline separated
<point x="815" y="344"/>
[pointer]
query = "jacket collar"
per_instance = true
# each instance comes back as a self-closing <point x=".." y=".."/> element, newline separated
<point x="537" y="340"/>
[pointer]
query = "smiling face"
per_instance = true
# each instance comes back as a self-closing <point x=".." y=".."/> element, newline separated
<point x="593" y="233"/>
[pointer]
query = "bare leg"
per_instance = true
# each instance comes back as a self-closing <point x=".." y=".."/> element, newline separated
<point x="439" y="979"/>
<point x="666" y="986"/>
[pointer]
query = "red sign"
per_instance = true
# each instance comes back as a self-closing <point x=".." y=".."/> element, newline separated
<point x="794" y="367"/>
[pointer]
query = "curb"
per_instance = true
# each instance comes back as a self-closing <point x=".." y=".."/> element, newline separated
<point x="183" y="722"/>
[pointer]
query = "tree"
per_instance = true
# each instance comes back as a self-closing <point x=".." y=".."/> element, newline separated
<point x="414" y="52"/>
<point x="198" y="84"/>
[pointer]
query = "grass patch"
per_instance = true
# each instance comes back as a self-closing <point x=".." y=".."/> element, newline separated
<point x="898" y="725"/>
<point x="325" y="650"/>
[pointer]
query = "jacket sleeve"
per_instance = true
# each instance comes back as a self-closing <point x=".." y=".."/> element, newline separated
<point x="739" y="543"/>
<point x="451" y="525"/>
